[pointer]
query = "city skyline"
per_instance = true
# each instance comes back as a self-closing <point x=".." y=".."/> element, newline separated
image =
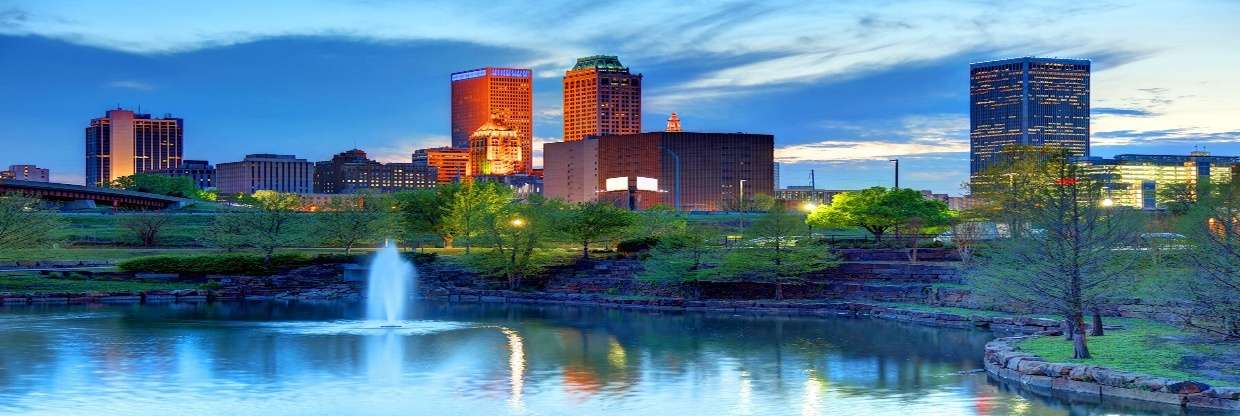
<point x="891" y="90"/>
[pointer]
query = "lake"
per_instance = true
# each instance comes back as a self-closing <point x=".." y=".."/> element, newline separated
<point x="491" y="359"/>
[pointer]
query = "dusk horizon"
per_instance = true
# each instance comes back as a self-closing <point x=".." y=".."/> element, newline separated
<point x="885" y="83"/>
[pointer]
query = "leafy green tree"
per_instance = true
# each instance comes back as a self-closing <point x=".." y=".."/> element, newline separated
<point x="24" y="224"/>
<point x="1179" y="197"/>
<point x="147" y="227"/>
<point x="472" y="204"/>
<point x="274" y="224"/>
<point x="686" y="256"/>
<point x="178" y="186"/>
<point x="518" y="230"/>
<point x="877" y="210"/>
<point x="229" y="230"/>
<point x="1212" y="226"/>
<point x="348" y="221"/>
<point x="425" y="211"/>
<point x="1006" y="191"/>
<point x="777" y="253"/>
<point x="1073" y="253"/>
<point x="657" y="222"/>
<point x="594" y="222"/>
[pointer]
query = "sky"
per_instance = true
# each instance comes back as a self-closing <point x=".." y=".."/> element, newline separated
<point x="843" y="85"/>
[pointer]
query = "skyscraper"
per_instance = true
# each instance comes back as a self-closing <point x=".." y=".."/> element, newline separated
<point x="496" y="149"/>
<point x="601" y="97"/>
<point x="507" y="92"/>
<point x="122" y="143"/>
<point x="1027" y="101"/>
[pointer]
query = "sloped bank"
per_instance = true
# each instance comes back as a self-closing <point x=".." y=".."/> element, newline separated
<point x="1004" y="360"/>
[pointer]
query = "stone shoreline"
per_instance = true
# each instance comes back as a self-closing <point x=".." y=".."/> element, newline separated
<point x="1005" y="361"/>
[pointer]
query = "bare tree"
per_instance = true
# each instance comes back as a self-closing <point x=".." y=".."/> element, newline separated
<point x="349" y="221"/>
<point x="1073" y="252"/>
<point x="24" y="225"/>
<point x="147" y="227"/>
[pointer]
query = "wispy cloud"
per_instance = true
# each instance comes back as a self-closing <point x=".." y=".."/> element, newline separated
<point x="402" y="150"/>
<point x="914" y="136"/>
<point x="130" y="84"/>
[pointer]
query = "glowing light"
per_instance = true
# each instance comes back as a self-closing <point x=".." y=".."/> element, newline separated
<point x="517" y="222"/>
<point x="1108" y="202"/>
<point x="810" y="402"/>
<point x="809" y="206"/>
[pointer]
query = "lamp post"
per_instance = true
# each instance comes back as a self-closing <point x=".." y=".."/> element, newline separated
<point x="897" y="162"/>
<point x="809" y="207"/>
<point x="676" y="160"/>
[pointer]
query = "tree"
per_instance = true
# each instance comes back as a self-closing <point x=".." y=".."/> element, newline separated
<point x="592" y="222"/>
<point x="1179" y="197"/>
<point x="147" y="227"/>
<point x="1212" y="226"/>
<point x="776" y="255"/>
<point x="471" y="204"/>
<point x="178" y="186"/>
<point x="347" y="221"/>
<point x="229" y="230"/>
<point x="274" y="224"/>
<point x="1073" y="252"/>
<point x="657" y="222"/>
<point x="1007" y="190"/>
<point x="24" y="225"/>
<point x="689" y="255"/>
<point x="877" y="210"/>
<point x="517" y="230"/>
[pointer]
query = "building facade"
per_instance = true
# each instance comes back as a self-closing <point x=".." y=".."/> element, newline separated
<point x="1135" y="180"/>
<point x="451" y="164"/>
<point x="26" y="173"/>
<point x="601" y="97"/>
<point x="1027" y="101"/>
<point x="479" y="94"/>
<point x="701" y="171"/>
<point x="122" y="143"/>
<point x="257" y="172"/>
<point x="200" y="171"/>
<point x="496" y="149"/>
<point x="798" y="195"/>
<point x="352" y="172"/>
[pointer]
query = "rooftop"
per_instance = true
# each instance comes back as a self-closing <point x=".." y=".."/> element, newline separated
<point x="602" y="62"/>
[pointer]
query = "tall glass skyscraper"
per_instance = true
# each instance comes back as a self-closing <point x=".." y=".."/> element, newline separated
<point x="1027" y="101"/>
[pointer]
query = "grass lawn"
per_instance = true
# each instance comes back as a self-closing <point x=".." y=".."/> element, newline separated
<point x="30" y="283"/>
<point x="945" y="309"/>
<point x="1141" y="347"/>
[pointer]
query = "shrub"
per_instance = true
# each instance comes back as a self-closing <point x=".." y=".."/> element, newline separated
<point x="247" y="264"/>
<point x="637" y="245"/>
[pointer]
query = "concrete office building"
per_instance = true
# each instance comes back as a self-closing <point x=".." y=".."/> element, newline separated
<point x="26" y="173"/>
<point x="282" y="173"/>
<point x="122" y="143"/>
<point x="200" y="171"/>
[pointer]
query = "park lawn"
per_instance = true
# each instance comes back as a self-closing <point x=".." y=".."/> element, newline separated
<point x="31" y="283"/>
<point x="948" y="309"/>
<point x="182" y="229"/>
<point x="1141" y="347"/>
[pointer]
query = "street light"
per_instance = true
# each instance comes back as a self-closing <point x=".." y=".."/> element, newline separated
<point x="809" y="207"/>
<point x="1108" y="202"/>
<point x="517" y="222"/>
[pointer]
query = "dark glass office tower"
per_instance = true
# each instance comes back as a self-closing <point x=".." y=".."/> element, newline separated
<point x="1027" y="101"/>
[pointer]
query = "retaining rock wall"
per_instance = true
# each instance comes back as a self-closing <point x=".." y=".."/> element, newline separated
<point x="1005" y="361"/>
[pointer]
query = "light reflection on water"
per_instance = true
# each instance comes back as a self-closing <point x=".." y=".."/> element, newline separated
<point x="322" y="359"/>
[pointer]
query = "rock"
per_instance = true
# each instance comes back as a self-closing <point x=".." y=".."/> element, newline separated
<point x="1029" y="367"/>
<point x="1186" y="387"/>
<point x="1232" y="393"/>
<point x="1081" y="373"/>
<point x="1151" y="383"/>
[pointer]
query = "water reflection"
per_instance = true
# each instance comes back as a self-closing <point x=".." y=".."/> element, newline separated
<point x="321" y="359"/>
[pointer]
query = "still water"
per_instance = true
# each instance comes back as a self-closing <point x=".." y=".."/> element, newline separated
<point x="322" y="359"/>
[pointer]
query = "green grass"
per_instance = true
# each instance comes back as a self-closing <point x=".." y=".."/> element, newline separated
<point x="1141" y="347"/>
<point x="28" y="283"/>
<point x="942" y="309"/>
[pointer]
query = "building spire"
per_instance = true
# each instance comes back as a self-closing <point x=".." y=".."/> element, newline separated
<point x="673" y="123"/>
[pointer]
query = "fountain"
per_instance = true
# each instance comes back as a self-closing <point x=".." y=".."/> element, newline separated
<point x="388" y="284"/>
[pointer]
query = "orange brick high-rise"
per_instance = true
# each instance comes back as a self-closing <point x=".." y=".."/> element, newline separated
<point x="507" y="92"/>
<point x="601" y="97"/>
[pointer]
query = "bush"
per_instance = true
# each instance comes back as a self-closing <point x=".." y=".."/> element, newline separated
<point x="247" y="264"/>
<point x="637" y="245"/>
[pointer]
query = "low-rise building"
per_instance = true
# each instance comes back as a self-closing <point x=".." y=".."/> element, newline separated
<point x="450" y="163"/>
<point x="200" y="171"/>
<point x="352" y="172"/>
<point x="26" y="173"/>
<point x="1133" y="180"/>
<point x="281" y="173"/>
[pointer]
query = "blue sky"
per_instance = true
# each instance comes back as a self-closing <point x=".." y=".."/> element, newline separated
<point x="842" y="85"/>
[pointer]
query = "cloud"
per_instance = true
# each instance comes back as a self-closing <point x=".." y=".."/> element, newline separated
<point x="537" y="144"/>
<point x="1177" y="135"/>
<point x="839" y="150"/>
<point x="1126" y="112"/>
<point x="401" y="151"/>
<point x="130" y="84"/>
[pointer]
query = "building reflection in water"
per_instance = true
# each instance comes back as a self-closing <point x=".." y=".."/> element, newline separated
<point x="516" y="368"/>
<point x="811" y="400"/>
